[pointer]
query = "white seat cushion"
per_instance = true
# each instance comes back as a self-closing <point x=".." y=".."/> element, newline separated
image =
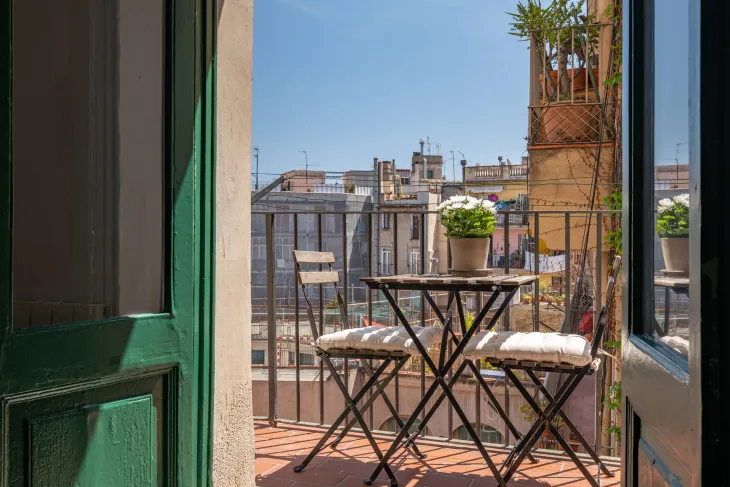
<point x="380" y="338"/>
<point x="535" y="346"/>
<point x="678" y="343"/>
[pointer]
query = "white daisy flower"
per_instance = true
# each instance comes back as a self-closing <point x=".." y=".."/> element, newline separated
<point x="665" y="204"/>
<point x="682" y="199"/>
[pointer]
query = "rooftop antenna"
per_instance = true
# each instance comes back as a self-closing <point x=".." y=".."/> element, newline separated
<point x="453" y="166"/>
<point x="306" y="165"/>
<point x="257" y="167"/>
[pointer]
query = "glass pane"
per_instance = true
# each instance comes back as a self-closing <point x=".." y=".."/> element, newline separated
<point x="88" y="160"/>
<point x="671" y="176"/>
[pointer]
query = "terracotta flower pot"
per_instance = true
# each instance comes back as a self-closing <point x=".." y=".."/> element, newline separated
<point x="469" y="254"/>
<point x="676" y="254"/>
<point x="580" y="80"/>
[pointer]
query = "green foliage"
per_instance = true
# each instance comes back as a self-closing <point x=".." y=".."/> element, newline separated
<point x="349" y="188"/>
<point x="559" y="13"/>
<point x="467" y="217"/>
<point x="530" y="416"/>
<point x="673" y="217"/>
<point x="614" y="14"/>
<point x="614" y="404"/>
<point x="468" y="320"/>
<point x="614" y="239"/>
<point x="559" y="31"/>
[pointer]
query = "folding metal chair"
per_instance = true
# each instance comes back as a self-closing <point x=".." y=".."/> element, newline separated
<point x="546" y="352"/>
<point x="391" y="345"/>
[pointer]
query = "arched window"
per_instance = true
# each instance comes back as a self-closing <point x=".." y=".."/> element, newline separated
<point x="486" y="435"/>
<point x="391" y="425"/>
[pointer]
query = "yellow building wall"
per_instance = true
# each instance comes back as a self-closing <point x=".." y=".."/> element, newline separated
<point x="561" y="179"/>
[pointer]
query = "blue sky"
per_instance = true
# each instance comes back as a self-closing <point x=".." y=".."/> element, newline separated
<point x="350" y="80"/>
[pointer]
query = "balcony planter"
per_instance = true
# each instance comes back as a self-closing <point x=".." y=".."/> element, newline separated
<point x="568" y="122"/>
<point x="579" y="80"/>
<point x="676" y="255"/>
<point x="469" y="254"/>
<point x="673" y="229"/>
<point x="469" y="223"/>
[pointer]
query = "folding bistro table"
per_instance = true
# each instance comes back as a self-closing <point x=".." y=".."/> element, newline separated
<point x="454" y="286"/>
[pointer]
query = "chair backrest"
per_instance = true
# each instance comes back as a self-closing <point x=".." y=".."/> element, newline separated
<point x="318" y="277"/>
<point x="603" y="315"/>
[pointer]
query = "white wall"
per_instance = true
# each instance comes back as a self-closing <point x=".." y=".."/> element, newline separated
<point x="233" y="440"/>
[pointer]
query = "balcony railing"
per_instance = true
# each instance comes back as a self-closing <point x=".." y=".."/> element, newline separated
<point x="567" y="76"/>
<point x="474" y="173"/>
<point x="294" y="386"/>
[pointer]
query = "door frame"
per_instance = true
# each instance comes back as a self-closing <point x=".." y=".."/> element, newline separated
<point x="190" y="252"/>
<point x="706" y="373"/>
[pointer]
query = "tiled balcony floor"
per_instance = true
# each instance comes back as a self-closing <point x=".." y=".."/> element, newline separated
<point x="281" y="448"/>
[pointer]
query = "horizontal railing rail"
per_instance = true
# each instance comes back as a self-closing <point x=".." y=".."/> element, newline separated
<point x="281" y="326"/>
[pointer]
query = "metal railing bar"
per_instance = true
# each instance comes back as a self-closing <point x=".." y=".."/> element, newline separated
<point x="296" y="326"/>
<point x="598" y="278"/>
<point x="369" y="299"/>
<point x="271" y="344"/>
<point x="321" y="325"/>
<point x="536" y="301"/>
<point x="423" y="308"/>
<point x="432" y="212"/>
<point x="345" y="325"/>
<point x="568" y="262"/>
<point x="506" y="317"/>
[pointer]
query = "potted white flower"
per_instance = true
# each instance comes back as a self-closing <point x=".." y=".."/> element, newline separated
<point x="469" y="224"/>
<point x="673" y="228"/>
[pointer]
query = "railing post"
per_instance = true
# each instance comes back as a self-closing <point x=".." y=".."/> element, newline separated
<point x="396" y="295"/>
<point x="422" y="243"/>
<point x="506" y="316"/>
<point x="596" y="312"/>
<point x="271" y="317"/>
<point x="568" y="264"/>
<point x="296" y="326"/>
<point x="536" y="301"/>
<point x="369" y="297"/>
<point x="321" y="324"/>
<point x="345" y="325"/>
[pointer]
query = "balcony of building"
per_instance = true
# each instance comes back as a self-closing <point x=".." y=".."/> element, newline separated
<point x="294" y="391"/>
<point x="496" y="173"/>
<point x="569" y="67"/>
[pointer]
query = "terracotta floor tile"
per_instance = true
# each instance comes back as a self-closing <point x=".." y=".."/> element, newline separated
<point x="272" y="482"/>
<point x="447" y="464"/>
<point x="319" y="477"/>
<point x="265" y="466"/>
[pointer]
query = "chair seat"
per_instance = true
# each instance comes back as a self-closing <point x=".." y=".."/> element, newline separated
<point x="557" y="348"/>
<point x="379" y="338"/>
<point x="678" y="343"/>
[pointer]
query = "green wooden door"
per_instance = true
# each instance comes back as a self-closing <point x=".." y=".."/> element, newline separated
<point x="106" y="136"/>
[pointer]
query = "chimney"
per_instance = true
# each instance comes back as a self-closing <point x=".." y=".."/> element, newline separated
<point x="423" y="160"/>
<point x="504" y="167"/>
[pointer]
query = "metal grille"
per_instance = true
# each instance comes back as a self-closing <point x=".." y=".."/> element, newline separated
<point x="567" y="123"/>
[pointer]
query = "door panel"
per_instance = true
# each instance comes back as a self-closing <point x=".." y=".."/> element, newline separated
<point x="660" y="366"/>
<point x="652" y="471"/>
<point x="105" y="198"/>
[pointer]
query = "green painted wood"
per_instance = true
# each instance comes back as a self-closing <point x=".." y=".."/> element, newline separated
<point x="61" y="370"/>
<point x="112" y="444"/>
